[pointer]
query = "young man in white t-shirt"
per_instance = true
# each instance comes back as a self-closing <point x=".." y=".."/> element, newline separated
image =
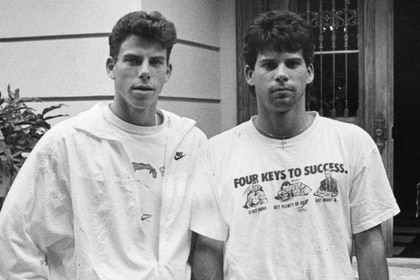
<point x="305" y="226"/>
<point x="106" y="194"/>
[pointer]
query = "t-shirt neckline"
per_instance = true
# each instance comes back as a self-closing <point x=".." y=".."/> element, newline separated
<point x="284" y="142"/>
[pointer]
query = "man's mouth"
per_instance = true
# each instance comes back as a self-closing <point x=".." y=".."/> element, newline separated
<point x="281" y="92"/>
<point x="143" y="88"/>
<point x="281" y="89"/>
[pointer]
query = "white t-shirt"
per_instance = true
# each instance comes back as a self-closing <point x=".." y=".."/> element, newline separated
<point x="146" y="147"/>
<point x="288" y="209"/>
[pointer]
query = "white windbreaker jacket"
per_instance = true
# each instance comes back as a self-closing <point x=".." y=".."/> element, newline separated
<point x="74" y="206"/>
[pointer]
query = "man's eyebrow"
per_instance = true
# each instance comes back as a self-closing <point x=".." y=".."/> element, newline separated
<point x="295" y="59"/>
<point x="137" y="56"/>
<point x="268" y="59"/>
<point x="131" y="55"/>
<point x="160" y="57"/>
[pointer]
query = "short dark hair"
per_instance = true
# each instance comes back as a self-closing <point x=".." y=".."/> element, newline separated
<point x="279" y="31"/>
<point x="153" y="27"/>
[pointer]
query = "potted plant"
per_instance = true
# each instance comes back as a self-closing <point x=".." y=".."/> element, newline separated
<point x="20" y="129"/>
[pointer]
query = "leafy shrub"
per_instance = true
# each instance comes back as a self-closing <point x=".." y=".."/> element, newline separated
<point x="21" y="126"/>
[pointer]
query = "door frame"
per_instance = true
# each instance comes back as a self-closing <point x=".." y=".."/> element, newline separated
<point x="377" y="82"/>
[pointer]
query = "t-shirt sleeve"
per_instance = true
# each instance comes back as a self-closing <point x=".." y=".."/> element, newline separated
<point x="207" y="218"/>
<point x="372" y="201"/>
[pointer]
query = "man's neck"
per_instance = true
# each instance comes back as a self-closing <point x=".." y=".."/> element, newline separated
<point x="283" y="125"/>
<point x="146" y="117"/>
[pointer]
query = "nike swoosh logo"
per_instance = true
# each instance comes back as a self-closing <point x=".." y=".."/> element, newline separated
<point x="146" y="216"/>
<point x="179" y="155"/>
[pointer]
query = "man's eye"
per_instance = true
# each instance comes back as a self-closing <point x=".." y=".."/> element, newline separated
<point x="133" y="61"/>
<point x="156" y="62"/>
<point x="269" y="65"/>
<point x="293" y="64"/>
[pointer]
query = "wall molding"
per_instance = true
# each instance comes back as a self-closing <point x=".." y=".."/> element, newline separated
<point x="53" y="37"/>
<point x="111" y="97"/>
<point x="94" y="35"/>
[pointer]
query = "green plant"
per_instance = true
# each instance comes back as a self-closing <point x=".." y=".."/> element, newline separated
<point x="21" y="126"/>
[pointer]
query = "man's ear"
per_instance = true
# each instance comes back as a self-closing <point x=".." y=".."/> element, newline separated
<point x="168" y="72"/>
<point x="311" y="74"/>
<point x="110" y="67"/>
<point x="249" y="72"/>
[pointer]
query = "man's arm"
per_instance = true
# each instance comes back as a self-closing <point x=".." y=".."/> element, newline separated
<point x="207" y="259"/>
<point x="36" y="214"/>
<point x="20" y="258"/>
<point x="370" y="254"/>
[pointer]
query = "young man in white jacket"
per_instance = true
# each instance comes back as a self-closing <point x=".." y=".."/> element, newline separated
<point x="105" y="195"/>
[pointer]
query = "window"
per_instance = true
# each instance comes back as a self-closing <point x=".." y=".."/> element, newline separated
<point x="334" y="92"/>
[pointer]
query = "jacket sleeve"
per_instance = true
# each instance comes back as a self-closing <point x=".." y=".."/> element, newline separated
<point x="36" y="215"/>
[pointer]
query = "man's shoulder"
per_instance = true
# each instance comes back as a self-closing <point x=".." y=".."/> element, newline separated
<point x="176" y="121"/>
<point x="341" y="127"/>
<point x="232" y="134"/>
<point x="226" y="143"/>
<point x="183" y="125"/>
<point x="69" y="126"/>
<point x="348" y="134"/>
<point x="336" y="123"/>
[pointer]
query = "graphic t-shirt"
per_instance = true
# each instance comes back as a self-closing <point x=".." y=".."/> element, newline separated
<point x="287" y="209"/>
<point x="146" y="147"/>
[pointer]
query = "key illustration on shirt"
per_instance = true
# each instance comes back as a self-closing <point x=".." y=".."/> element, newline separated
<point x="255" y="195"/>
<point x="328" y="187"/>
<point x="289" y="190"/>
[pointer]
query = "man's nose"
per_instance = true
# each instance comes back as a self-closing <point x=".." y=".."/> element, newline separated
<point x="144" y="71"/>
<point x="281" y="73"/>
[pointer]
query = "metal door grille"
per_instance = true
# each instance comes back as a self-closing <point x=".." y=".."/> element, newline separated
<point x="334" y="92"/>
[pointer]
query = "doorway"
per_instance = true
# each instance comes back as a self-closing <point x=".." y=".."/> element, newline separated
<point x="406" y="107"/>
<point x="406" y="126"/>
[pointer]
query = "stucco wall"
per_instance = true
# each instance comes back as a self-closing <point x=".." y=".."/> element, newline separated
<point x="57" y="50"/>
